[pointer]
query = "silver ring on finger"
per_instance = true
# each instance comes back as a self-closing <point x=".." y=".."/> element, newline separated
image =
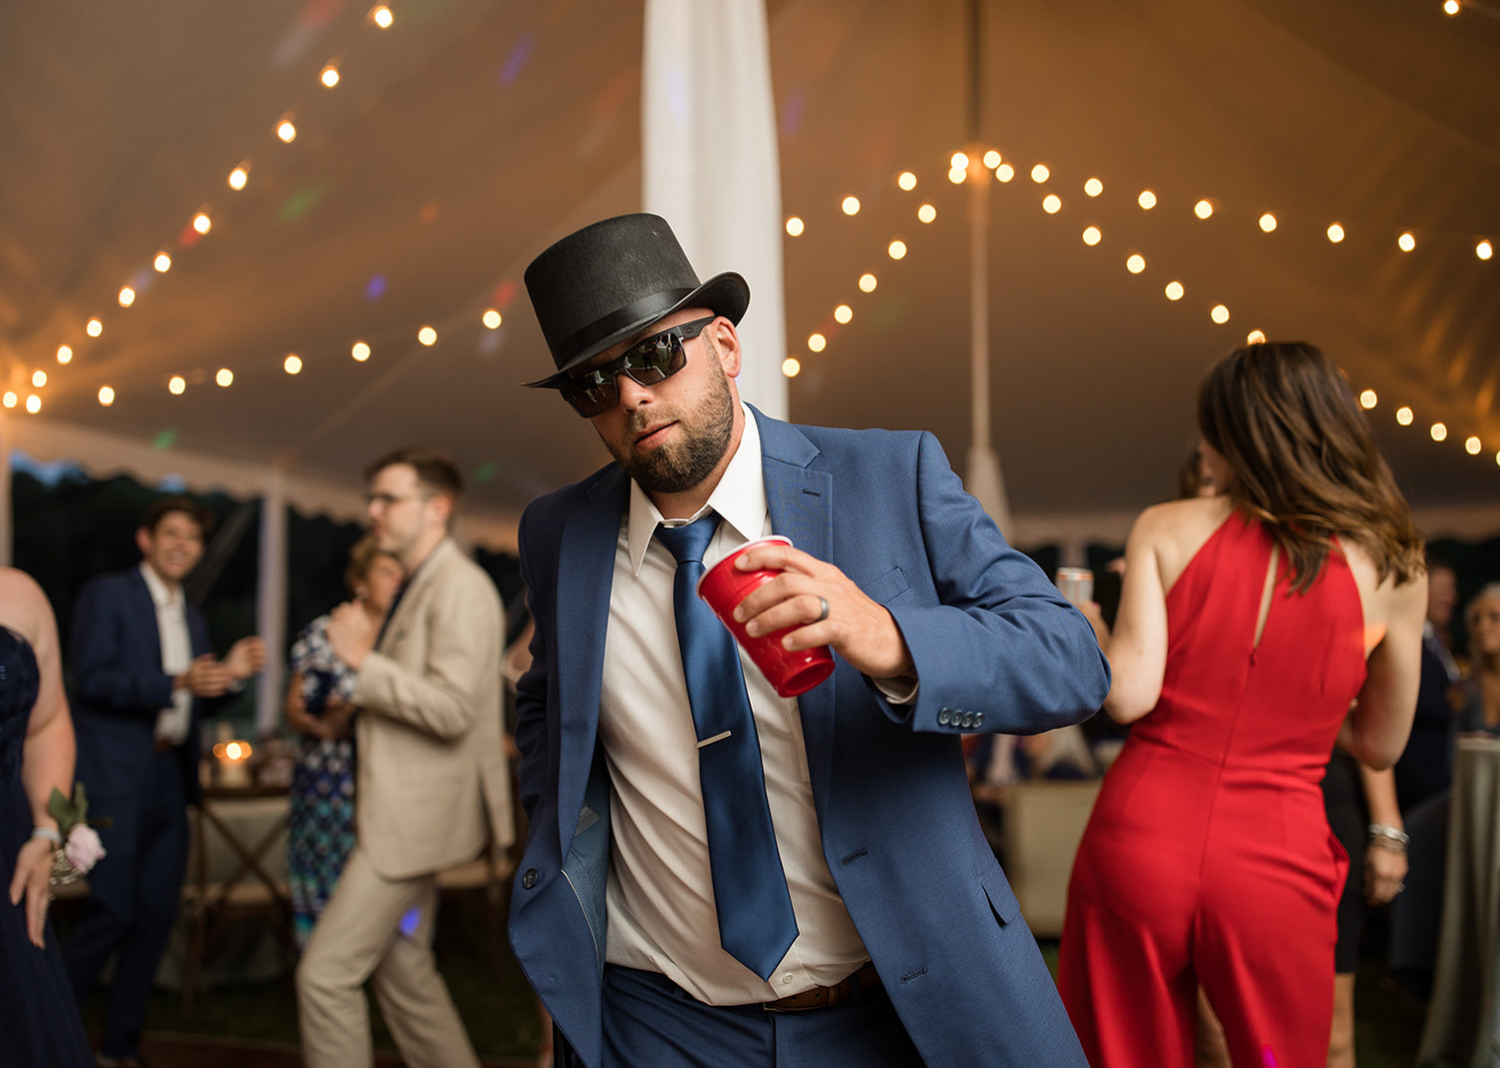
<point x="823" y="614"/>
<point x="1400" y="887"/>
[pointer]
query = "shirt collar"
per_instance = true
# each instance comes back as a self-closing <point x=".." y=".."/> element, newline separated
<point x="161" y="595"/>
<point x="740" y="498"/>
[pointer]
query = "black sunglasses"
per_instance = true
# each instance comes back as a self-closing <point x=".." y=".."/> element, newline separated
<point x="647" y="362"/>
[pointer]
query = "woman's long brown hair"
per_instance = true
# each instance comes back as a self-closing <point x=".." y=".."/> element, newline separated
<point x="1305" y="463"/>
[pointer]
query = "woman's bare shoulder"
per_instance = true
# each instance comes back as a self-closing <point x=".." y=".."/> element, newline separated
<point x="23" y="605"/>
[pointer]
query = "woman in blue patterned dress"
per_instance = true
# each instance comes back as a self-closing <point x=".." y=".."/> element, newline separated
<point x="320" y="827"/>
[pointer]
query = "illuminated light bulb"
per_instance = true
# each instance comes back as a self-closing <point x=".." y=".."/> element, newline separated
<point x="286" y="131"/>
<point x="1406" y="242"/>
<point x="1005" y="172"/>
<point x="1472" y="446"/>
<point x="1368" y="399"/>
<point x="106" y="396"/>
<point x="162" y="263"/>
<point x="292" y="364"/>
<point x="1203" y="209"/>
<point x="1147" y="199"/>
<point x="1439" y="432"/>
<point x="1052" y="204"/>
<point x="791" y="366"/>
<point x="992" y="159"/>
<point x="1484" y="250"/>
<point x="1136" y="263"/>
<point x="867" y="283"/>
<point x="959" y="161"/>
<point x="38" y="378"/>
<point x="957" y="175"/>
<point x="176" y="385"/>
<point x="1092" y="236"/>
<point x="330" y="76"/>
<point x="1219" y="314"/>
<point x="1450" y="7"/>
<point x="382" y="17"/>
<point x="907" y="181"/>
<point x="65" y="354"/>
<point x="33" y="404"/>
<point x="360" y="351"/>
<point x="127" y="296"/>
<point x="1404" y="415"/>
<point x="9" y="400"/>
<point x="850" y="205"/>
<point x="202" y="223"/>
<point x="927" y="213"/>
<point x="817" y="342"/>
<point x="225" y="377"/>
<point x="1093" y="187"/>
<point x="1268" y="222"/>
<point x="896" y="250"/>
<point x="427" y="336"/>
<point x="1040" y="173"/>
<point x="1335" y="233"/>
<point x="843" y="313"/>
<point x="238" y="177"/>
<point x="94" y="328"/>
<point x="1174" y="291"/>
<point x="492" y="319"/>
<point x="1255" y="337"/>
<point x="794" y="226"/>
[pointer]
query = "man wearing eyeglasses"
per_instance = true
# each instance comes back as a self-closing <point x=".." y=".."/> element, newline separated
<point x="717" y="874"/>
<point x="432" y="789"/>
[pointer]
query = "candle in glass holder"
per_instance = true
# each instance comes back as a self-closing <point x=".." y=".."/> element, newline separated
<point x="233" y="758"/>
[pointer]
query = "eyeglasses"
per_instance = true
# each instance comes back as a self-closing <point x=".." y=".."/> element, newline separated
<point x="647" y="362"/>
<point x="386" y="500"/>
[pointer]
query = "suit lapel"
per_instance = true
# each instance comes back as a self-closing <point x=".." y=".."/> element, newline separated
<point x="800" y="499"/>
<point x="145" y="609"/>
<point x="585" y="573"/>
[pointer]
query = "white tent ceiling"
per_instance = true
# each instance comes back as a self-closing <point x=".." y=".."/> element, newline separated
<point x="472" y="133"/>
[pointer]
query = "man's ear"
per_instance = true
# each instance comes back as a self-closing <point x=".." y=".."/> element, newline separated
<point x="143" y="540"/>
<point x="727" y="342"/>
<point x="444" y="505"/>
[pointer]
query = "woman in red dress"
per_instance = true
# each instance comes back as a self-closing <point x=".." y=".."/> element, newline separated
<point x="1248" y="624"/>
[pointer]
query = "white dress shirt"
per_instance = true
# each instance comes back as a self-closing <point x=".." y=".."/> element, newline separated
<point x="660" y="891"/>
<point x="173" y="721"/>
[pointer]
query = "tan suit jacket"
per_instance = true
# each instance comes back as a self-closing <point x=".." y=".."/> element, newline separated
<point x="433" y="782"/>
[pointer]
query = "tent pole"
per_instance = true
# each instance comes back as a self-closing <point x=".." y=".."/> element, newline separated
<point x="271" y="602"/>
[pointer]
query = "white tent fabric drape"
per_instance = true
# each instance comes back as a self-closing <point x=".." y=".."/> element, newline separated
<point x="710" y="163"/>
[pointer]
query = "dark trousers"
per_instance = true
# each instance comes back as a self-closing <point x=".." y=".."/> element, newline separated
<point x="133" y="898"/>
<point x="649" y="1020"/>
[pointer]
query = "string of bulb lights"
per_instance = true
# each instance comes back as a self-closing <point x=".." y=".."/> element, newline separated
<point x="961" y="169"/>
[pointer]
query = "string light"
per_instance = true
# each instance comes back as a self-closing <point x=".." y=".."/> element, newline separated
<point x="843" y="313"/>
<point x="225" y="377"/>
<point x="1439" y="432"/>
<point x="65" y="354"/>
<point x="957" y="175"/>
<point x="1005" y="172"/>
<point x="1255" y="337"/>
<point x="286" y="130"/>
<point x="162" y="263"/>
<point x="360" y="351"/>
<point x="427" y="336"/>
<point x="1147" y="199"/>
<point x="817" y="342"/>
<point x="330" y="76"/>
<point x="491" y="319"/>
<point x="992" y="159"/>
<point x="1368" y="399"/>
<point x="292" y="364"/>
<point x="896" y="250"/>
<point x="1052" y="204"/>
<point x="127" y="296"/>
<point x="851" y="205"/>
<point x="1203" y="209"/>
<point x="1040" y="173"/>
<point x="94" y="328"/>
<point x="176" y="385"/>
<point x="791" y="366"/>
<point x="927" y="213"/>
<point x="1136" y="263"/>
<point x="1484" y="250"/>
<point x="1404" y="415"/>
<point x="907" y="181"/>
<point x="9" y="400"/>
<point x="1092" y="236"/>
<point x="1093" y="187"/>
<point x="1472" y="446"/>
<point x="1335" y="233"/>
<point x="1219" y="314"/>
<point x="382" y="17"/>
<point x="1406" y="242"/>
<point x="202" y="223"/>
<point x="867" y="283"/>
<point x="959" y="161"/>
<point x="1268" y="222"/>
<point x="38" y="378"/>
<point x="33" y="404"/>
<point x="238" y="177"/>
<point x="794" y="226"/>
<point x="106" y="396"/>
<point x="1450" y="7"/>
<point x="1174" y="290"/>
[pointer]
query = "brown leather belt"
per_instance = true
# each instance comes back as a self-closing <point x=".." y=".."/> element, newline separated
<point x="826" y="997"/>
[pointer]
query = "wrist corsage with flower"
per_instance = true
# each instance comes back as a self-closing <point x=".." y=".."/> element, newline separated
<point x="77" y="847"/>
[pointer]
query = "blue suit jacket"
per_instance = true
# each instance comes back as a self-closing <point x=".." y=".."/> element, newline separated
<point x="119" y="686"/>
<point x="996" y="649"/>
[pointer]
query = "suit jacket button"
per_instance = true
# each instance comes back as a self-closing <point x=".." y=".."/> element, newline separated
<point x="979" y="719"/>
<point x="968" y="719"/>
<point x="529" y="879"/>
<point x="943" y="717"/>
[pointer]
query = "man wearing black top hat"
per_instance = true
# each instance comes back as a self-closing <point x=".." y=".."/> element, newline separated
<point x="717" y="874"/>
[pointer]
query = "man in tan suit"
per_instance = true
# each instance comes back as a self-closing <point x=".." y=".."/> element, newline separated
<point x="433" y="786"/>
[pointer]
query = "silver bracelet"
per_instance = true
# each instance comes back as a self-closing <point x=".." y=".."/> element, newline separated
<point x="47" y="833"/>
<point x="1387" y="837"/>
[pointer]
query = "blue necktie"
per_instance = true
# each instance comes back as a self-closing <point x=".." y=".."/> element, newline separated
<point x="756" y="923"/>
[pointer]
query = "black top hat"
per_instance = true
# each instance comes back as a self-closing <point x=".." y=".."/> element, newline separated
<point x="609" y="281"/>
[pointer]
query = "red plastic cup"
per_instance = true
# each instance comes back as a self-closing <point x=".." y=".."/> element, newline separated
<point x="724" y="586"/>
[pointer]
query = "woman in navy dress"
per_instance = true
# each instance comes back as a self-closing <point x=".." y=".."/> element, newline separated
<point x="320" y="826"/>
<point x="39" y="1022"/>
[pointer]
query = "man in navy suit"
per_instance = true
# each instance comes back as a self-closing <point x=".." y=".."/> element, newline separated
<point x="903" y="943"/>
<point x="142" y="665"/>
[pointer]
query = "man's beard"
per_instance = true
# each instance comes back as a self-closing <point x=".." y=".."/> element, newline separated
<point x="670" y="469"/>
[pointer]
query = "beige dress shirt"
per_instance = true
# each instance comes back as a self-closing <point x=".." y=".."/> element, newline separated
<point x="173" y="721"/>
